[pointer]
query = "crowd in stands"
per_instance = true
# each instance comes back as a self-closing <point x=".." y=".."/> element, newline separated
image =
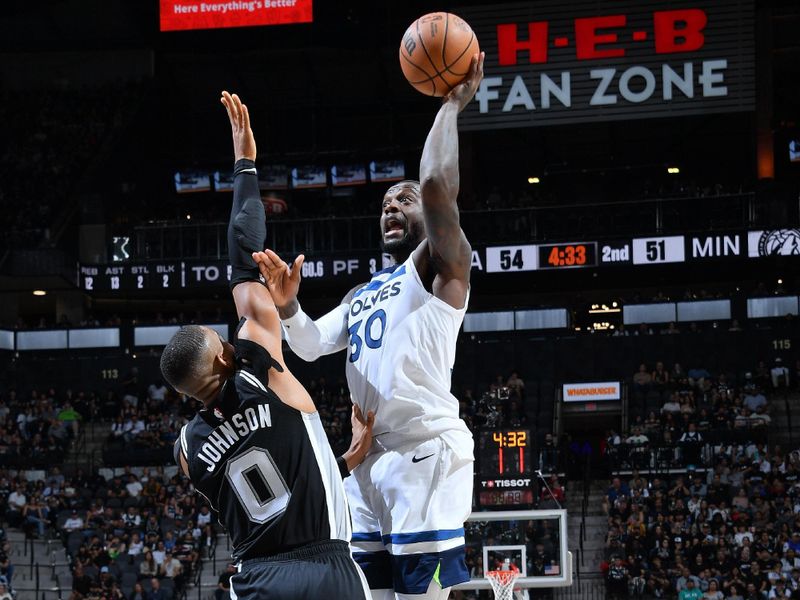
<point x="130" y="530"/>
<point x="38" y="428"/>
<point x="121" y="527"/>
<point x="501" y="404"/>
<point x="718" y="516"/>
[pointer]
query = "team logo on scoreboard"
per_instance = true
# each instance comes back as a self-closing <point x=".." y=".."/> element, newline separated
<point x="779" y="242"/>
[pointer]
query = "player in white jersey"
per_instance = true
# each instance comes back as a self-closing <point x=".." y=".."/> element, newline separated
<point x="410" y="497"/>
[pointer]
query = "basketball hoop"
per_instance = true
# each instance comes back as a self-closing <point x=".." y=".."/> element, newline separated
<point x="503" y="583"/>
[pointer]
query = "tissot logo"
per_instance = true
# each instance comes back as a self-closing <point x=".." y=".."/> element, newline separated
<point x="672" y="31"/>
<point x="504" y="483"/>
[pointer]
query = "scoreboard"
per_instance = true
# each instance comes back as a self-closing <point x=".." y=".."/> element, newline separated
<point x="505" y="468"/>
<point x="653" y="250"/>
<point x="353" y="268"/>
<point x="156" y="276"/>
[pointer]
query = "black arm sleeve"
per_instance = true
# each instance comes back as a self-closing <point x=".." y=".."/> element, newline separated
<point x="247" y="228"/>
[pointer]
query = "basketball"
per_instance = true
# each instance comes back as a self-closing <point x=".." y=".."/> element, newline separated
<point x="436" y="51"/>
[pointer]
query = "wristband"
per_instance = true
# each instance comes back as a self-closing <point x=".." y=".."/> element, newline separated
<point x="343" y="470"/>
<point x="244" y="165"/>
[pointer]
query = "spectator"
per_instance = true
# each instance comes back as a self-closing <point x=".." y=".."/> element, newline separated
<point x="617" y="579"/>
<point x="156" y="592"/>
<point x="554" y="496"/>
<point x="148" y="567"/>
<point x="16" y="504"/>
<point x="224" y="583"/>
<point x="157" y="392"/>
<point x="130" y="388"/>
<point x="691" y="592"/>
<point x="779" y="375"/>
<point x="71" y="418"/>
<point x="516" y="385"/>
<point x="73" y="523"/>
<point x="171" y="567"/>
<point x="35" y="513"/>
<point x="638" y="448"/>
<point x="134" y="488"/>
<point x="548" y="455"/>
<point x="138" y="592"/>
<point x="754" y="399"/>
<point x="691" y="444"/>
<point x="672" y="405"/>
<point x="642" y="380"/>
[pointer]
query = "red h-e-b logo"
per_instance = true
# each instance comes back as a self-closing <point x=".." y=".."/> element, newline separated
<point x="673" y="31"/>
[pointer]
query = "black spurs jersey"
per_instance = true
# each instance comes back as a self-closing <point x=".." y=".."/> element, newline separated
<point x="265" y="467"/>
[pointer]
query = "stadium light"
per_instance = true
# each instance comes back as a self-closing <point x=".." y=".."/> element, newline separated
<point x="39" y="293"/>
<point x="533" y="180"/>
<point x="673" y="170"/>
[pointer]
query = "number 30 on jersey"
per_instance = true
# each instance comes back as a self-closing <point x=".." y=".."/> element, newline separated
<point x="371" y="334"/>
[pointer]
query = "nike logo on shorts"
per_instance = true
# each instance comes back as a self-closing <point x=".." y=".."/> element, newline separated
<point x="416" y="460"/>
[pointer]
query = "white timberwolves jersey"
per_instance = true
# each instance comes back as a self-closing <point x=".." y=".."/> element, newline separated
<point x="399" y="361"/>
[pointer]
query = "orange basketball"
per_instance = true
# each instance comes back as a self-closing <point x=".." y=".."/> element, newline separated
<point x="436" y="51"/>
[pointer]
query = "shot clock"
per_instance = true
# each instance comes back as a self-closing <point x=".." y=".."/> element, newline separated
<point x="505" y="468"/>
<point x="566" y="256"/>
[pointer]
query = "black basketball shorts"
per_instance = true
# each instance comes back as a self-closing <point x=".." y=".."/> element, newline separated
<point x="324" y="571"/>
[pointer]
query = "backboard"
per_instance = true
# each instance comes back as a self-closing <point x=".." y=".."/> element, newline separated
<point x="534" y="540"/>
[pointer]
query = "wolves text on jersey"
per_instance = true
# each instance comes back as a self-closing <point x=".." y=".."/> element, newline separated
<point x="357" y="305"/>
<point x="225" y="435"/>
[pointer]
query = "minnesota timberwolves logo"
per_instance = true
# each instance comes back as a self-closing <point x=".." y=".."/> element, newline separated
<point x="779" y="242"/>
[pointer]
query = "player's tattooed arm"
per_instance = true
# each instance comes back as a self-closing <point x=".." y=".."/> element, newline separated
<point x="362" y="439"/>
<point x="439" y="185"/>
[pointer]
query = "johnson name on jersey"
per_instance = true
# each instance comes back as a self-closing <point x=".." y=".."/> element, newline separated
<point x="265" y="467"/>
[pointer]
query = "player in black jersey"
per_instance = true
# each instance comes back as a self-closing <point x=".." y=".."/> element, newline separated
<point x="257" y="450"/>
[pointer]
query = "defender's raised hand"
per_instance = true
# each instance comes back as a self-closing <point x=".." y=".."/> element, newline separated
<point x="244" y="143"/>
<point x="283" y="282"/>
<point x="464" y="91"/>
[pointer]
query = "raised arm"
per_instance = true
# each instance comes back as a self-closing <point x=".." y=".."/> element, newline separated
<point x="247" y="229"/>
<point x="439" y="184"/>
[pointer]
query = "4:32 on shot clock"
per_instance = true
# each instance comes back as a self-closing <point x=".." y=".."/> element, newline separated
<point x="568" y="256"/>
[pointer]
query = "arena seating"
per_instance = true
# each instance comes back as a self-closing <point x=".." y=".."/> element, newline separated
<point x="726" y="414"/>
<point x="697" y="495"/>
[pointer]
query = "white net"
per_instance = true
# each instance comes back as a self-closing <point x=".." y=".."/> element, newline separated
<point x="503" y="583"/>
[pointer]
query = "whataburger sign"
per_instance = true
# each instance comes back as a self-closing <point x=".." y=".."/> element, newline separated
<point x="549" y="63"/>
<point x="590" y="392"/>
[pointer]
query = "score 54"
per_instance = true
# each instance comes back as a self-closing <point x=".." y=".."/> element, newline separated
<point x="504" y="259"/>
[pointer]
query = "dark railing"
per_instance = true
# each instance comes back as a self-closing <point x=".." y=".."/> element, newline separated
<point x="663" y="456"/>
<point x="587" y="482"/>
<point x="573" y="221"/>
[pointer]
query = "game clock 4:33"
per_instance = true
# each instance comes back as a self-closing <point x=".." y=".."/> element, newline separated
<point x="568" y="256"/>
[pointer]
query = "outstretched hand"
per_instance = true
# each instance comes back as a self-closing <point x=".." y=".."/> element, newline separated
<point x="362" y="437"/>
<point x="244" y="143"/>
<point x="283" y="281"/>
<point x="464" y="91"/>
